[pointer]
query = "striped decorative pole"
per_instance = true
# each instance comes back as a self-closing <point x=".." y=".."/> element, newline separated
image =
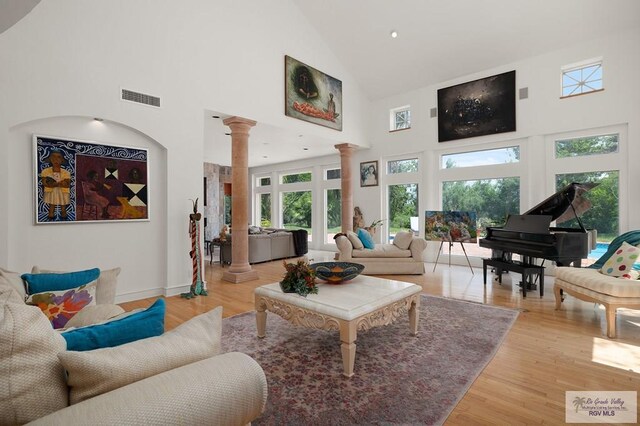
<point x="197" y="286"/>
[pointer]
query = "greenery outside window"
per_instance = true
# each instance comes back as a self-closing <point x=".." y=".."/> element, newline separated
<point x="403" y="205"/>
<point x="402" y="166"/>
<point x="331" y="174"/>
<point x="265" y="210"/>
<point x="296" y="177"/>
<point x="296" y="210"/>
<point x="591" y="145"/>
<point x="334" y="213"/>
<point x="264" y="181"/>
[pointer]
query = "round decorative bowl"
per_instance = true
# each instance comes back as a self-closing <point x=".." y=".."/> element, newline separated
<point x="337" y="272"/>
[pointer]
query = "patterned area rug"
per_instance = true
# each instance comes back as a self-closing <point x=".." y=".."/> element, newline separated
<point x="399" y="379"/>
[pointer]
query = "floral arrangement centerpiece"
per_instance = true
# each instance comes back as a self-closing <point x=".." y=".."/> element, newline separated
<point x="300" y="278"/>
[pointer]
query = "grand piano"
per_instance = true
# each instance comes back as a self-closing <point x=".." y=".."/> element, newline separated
<point x="531" y="235"/>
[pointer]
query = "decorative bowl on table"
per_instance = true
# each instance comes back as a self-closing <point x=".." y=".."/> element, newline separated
<point x="337" y="272"/>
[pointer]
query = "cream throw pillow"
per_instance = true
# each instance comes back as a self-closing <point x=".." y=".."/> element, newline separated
<point x="90" y="315"/>
<point x="32" y="382"/>
<point x="92" y="373"/>
<point x="403" y="240"/>
<point x="355" y="241"/>
<point x="8" y="292"/>
<point x="107" y="283"/>
<point x="15" y="280"/>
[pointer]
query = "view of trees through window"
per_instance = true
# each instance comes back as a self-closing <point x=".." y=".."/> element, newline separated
<point x="603" y="214"/>
<point x="296" y="210"/>
<point x="605" y="144"/>
<point x="334" y="213"/>
<point x="402" y="166"/>
<point x="265" y="210"/>
<point x="491" y="199"/>
<point x="403" y="204"/>
<point x="227" y="209"/>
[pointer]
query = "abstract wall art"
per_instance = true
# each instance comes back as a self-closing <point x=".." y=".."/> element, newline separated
<point x="481" y="107"/>
<point x="81" y="181"/>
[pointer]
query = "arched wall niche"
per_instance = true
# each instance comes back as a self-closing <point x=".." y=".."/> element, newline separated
<point x="138" y="247"/>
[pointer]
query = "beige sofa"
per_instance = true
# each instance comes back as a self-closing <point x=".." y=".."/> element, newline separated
<point x="404" y="256"/>
<point x="179" y="377"/>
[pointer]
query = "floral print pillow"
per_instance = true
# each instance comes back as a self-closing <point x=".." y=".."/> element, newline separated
<point x="60" y="306"/>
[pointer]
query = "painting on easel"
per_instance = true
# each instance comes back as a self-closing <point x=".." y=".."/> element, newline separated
<point x="454" y="226"/>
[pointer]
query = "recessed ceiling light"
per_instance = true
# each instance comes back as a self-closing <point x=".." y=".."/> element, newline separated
<point x="98" y="119"/>
<point x="215" y="116"/>
<point x="299" y="136"/>
<point x="394" y="34"/>
<point x="228" y="134"/>
<point x="305" y="149"/>
<point x="264" y="156"/>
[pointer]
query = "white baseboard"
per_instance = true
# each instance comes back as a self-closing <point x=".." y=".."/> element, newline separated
<point x="152" y="292"/>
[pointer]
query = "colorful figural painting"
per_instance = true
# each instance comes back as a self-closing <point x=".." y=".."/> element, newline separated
<point x="80" y="181"/>
<point x="451" y="226"/>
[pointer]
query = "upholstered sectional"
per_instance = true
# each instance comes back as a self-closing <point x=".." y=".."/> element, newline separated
<point x="268" y="244"/>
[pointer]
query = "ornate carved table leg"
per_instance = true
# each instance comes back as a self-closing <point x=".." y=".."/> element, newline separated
<point x="414" y="315"/>
<point x="261" y="317"/>
<point x="348" y="336"/>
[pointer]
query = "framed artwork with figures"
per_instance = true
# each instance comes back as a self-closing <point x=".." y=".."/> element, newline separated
<point x="369" y="173"/>
<point x="82" y="181"/>
<point x="312" y="95"/>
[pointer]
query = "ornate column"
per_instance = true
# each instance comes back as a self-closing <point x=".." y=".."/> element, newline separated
<point x="346" y="151"/>
<point x="240" y="270"/>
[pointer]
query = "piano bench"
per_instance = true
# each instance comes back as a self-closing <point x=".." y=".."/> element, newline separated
<point x="527" y="271"/>
<point x="589" y="285"/>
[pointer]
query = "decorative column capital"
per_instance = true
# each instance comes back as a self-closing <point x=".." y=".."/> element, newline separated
<point x="345" y="147"/>
<point x="239" y="124"/>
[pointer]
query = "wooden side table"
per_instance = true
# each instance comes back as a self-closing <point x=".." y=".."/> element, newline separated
<point x="216" y="242"/>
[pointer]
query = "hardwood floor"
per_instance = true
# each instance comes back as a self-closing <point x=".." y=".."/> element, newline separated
<point x="546" y="353"/>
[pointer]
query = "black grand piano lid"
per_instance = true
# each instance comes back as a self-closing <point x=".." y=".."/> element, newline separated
<point x="558" y="205"/>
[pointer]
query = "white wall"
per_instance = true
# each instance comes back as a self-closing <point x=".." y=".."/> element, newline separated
<point x="542" y="114"/>
<point x="69" y="58"/>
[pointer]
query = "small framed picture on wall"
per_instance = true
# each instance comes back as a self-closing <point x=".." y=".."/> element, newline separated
<point x="369" y="173"/>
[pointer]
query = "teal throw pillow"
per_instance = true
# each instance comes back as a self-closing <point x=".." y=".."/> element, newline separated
<point x="39" y="283"/>
<point x="366" y="238"/>
<point x="132" y="327"/>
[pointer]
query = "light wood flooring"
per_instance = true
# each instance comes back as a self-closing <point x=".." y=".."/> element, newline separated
<point x="546" y="353"/>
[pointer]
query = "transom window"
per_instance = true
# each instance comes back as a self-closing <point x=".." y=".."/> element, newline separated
<point x="297" y="177"/>
<point x="409" y="165"/>
<point x="400" y="118"/>
<point x="331" y="174"/>
<point x="580" y="79"/>
<point x="486" y="157"/>
<point x="264" y="181"/>
<point x="590" y="145"/>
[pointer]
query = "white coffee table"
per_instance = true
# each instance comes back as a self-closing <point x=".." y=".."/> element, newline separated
<point x="357" y="305"/>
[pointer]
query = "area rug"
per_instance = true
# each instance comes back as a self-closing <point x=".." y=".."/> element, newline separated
<point x="399" y="379"/>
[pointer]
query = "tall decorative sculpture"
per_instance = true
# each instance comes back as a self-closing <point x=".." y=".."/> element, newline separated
<point x="198" y="287"/>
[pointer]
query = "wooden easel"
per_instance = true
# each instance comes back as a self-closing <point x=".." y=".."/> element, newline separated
<point x="451" y="245"/>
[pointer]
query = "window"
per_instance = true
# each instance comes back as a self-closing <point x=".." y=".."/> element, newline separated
<point x="265" y="209"/>
<point x="400" y="118"/>
<point x="227" y="209"/>
<point x="402" y="166"/>
<point x="603" y="215"/>
<point x="332" y="174"/>
<point x="264" y="181"/>
<point x="334" y="213"/>
<point x="491" y="199"/>
<point x="591" y="145"/>
<point x="403" y="205"/>
<point x="296" y="210"/>
<point x="297" y="177"/>
<point x="486" y="157"/>
<point x="582" y="78"/>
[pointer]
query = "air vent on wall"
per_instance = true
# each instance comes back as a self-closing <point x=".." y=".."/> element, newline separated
<point x="141" y="98"/>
